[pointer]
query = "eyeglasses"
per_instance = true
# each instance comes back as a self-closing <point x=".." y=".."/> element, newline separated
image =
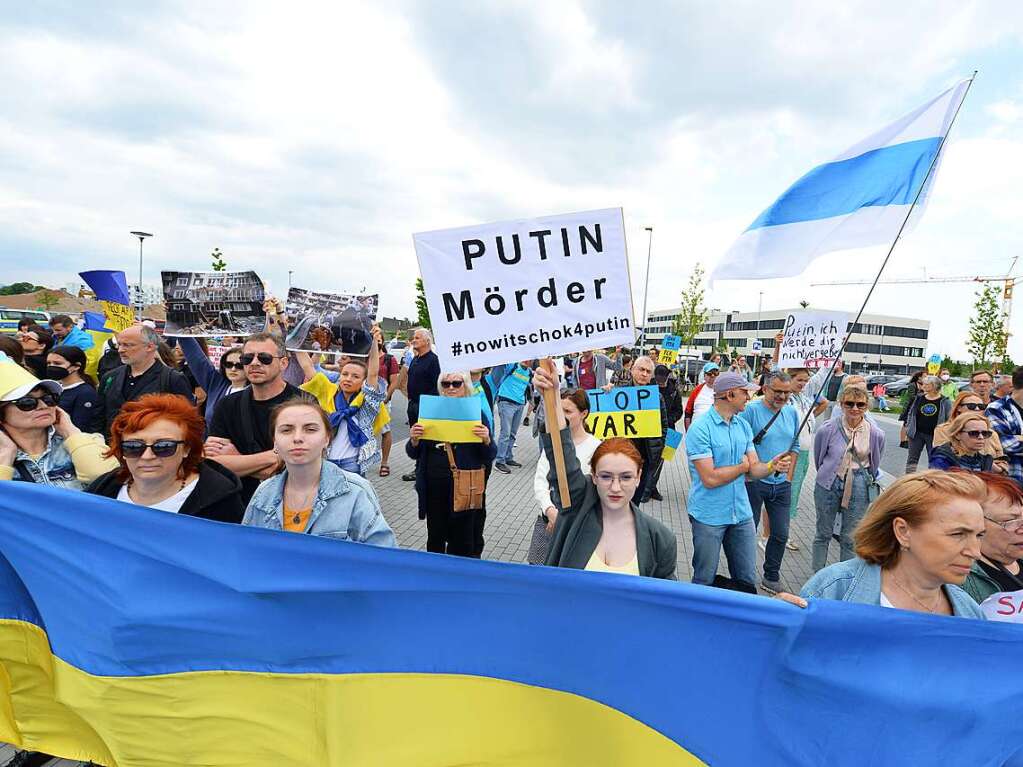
<point x="855" y="405"/>
<point x="779" y="394"/>
<point x="607" y="478"/>
<point x="1014" y="525"/>
<point x="237" y="365"/>
<point x="978" y="433"/>
<point x="455" y="384"/>
<point x="29" y="403"/>
<point x="711" y="373"/>
<point x="265" y="358"/>
<point x="973" y="406"/>
<point x="162" y="448"/>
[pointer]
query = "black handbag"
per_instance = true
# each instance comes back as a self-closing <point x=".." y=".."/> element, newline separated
<point x="540" y="542"/>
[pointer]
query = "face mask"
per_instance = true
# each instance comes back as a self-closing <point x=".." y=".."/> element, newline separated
<point x="944" y="378"/>
<point x="57" y="373"/>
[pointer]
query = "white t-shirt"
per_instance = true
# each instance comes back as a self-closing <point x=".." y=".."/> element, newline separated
<point x="541" y="490"/>
<point x="341" y="446"/>
<point x="172" y="504"/>
<point x="885" y="602"/>
<point x="704" y="401"/>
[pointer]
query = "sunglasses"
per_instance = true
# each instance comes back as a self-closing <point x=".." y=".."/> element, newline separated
<point x="265" y="358"/>
<point x="978" y="433"/>
<point x="162" y="448"/>
<point x="855" y="405"/>
<point x="238" y="365"/>
<point x="456" y="384"/>
<point x="29" y="403"/>
<point x="973" y="406"/>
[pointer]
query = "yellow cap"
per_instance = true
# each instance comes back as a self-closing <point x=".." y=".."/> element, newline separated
<point x="16" y="382"/>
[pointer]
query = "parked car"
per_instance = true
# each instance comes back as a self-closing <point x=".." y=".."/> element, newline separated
<point x="9" y="319"/>
<point x="396" y="347"/>
<point x="897" y="387"/>
<point x="873" y="381"/>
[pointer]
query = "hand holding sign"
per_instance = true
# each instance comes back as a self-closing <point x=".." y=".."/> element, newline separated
<point x="630" y="411"/>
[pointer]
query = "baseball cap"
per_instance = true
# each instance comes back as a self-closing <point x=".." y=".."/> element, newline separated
<point x="16" y="382"/>
<point x="730" y="381"/>
<point x="711" y="366"/>
<point x="661" y="371"/>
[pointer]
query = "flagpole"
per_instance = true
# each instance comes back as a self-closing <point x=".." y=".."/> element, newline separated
<point x="827" y="379"/>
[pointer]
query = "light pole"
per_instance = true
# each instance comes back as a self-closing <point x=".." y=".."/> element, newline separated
<point x="290" y="272"/>
<point x="760" y="309"/>
<point x="646" y="289"/>
<point x="142" y="236"/>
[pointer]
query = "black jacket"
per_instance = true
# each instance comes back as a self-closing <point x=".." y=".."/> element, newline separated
<point x="579" y="527"/>
<point x="157" y="379"/>
<point x="671" y="405"/>
<point x="217" y="494"/>
<point x="468" y="456"/>
<point x="80" y="405"/>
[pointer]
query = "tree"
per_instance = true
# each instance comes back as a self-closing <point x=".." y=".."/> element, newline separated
<point x="987" y="339"/>
<point x="219" y="264"/>
<point x="49" y="299"/>
<point x="19" y="288"/>
<point x="422" y="310"/>
<point x="694" y="313"/>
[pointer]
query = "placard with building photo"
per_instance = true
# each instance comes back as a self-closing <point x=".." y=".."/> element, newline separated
<point x="213" y="303"/>
<point x="330" y="322"/>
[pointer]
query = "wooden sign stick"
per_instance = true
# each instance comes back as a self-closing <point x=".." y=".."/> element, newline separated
<point x="551" y="403"/>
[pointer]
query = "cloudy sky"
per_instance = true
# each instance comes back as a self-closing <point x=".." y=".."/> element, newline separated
<point x="317" y="137"/>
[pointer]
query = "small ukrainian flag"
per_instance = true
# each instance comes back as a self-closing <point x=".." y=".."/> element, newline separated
<point x="672" y="439"/>
<point x="450" y="419"/>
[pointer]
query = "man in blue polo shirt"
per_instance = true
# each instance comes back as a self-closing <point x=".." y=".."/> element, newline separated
<point x="721" y="454"/>
<point x="511" y="401"/>
<point x="774" y="425"/>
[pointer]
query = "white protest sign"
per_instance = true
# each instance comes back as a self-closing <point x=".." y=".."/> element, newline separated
<point x="812" y="339"/>
<point x="516" y="290"/>
<point x="1005" y="606"/>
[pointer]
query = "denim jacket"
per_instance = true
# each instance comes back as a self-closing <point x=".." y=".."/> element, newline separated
<point x="856" y="581"/>
<point x="56" y="467"/>
<point x="346" y="508"/>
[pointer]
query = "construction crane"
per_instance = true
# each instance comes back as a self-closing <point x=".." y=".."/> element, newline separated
<point x="1007" y="280"/>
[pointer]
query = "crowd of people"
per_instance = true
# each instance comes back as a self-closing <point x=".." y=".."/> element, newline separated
<point x="285" y="440"/>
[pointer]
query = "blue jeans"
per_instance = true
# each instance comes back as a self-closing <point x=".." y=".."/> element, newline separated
<point x="348" y="464"/>
<point x="510" y="415"/>
<point x="777" y="499"/>
<point x="740" y="544"/>
<point x="829" y="505"/>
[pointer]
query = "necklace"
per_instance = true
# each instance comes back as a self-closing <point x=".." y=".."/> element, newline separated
<point x="305" y="503"/>
<point x="913" y="597"/>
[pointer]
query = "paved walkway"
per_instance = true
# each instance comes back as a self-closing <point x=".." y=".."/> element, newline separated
<point x="511" y="511"/>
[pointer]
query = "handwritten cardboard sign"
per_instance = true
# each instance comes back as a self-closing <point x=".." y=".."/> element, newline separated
<point x="812" y="339"/>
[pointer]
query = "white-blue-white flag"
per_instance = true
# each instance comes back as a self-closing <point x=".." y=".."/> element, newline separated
<point x="858" y="199"/>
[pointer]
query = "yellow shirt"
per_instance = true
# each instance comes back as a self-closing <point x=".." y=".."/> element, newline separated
<point x="597" y="564"/>
<point x="321" y="387"/>
<point x="295" y="520"/>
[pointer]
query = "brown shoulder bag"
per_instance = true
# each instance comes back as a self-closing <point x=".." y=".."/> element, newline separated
<point x="468" y="485"/>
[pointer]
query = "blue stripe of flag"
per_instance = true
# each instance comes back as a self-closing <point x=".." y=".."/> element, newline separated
<point x="450" y="408"/>
<point x="891" y="175"/>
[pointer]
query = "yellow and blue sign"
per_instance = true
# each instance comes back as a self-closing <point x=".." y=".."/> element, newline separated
<point x="192" y="641"/>
<point x="672" y="440"/>
<point x="450" y="419"/>
<point x="670" y="346"/>
<point x="629" y="411"/>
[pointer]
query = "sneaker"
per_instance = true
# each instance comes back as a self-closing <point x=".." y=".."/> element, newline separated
<point x="792" y="546"/>
<point x="525" y="421"/>
<point x="409" y="477"/>
<point x="772" y="587"/>
<point x="656" y="495"/>
<point x="513" y="464"/>
<point x="502" y="468"/>
<point x="762" y="544"/>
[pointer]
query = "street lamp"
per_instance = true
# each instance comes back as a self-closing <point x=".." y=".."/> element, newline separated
<point x="649" y="247"/>
<point x="142" y="236"/>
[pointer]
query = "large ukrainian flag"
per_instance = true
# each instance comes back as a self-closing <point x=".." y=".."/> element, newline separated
<point x="140" y="638"/>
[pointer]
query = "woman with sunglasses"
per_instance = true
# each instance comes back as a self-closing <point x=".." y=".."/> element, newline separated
<point x="968" y="402"/>
<point x="603" y="530"/>
<point x="448" y="531"/>
<point x="925" y="414"/>
<point x="157" y="442"/>
<point x="38" y="441"/>
<point x="227" y="378"/>
<point x="847" y="454"/>
<point x="968" y="433"/>
<point x="1000" y="565"/>
<point x="36" y="342"/>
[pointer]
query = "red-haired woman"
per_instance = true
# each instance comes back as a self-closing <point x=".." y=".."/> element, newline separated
<point x="603" y="530"/>
<point x="157" y="439"/>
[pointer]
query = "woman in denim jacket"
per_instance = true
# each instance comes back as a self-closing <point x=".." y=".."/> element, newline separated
<point x="312" y="495"/>
<point x="914" y="548"/>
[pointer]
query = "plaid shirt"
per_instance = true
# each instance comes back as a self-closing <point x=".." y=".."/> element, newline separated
<point x="1007" y="420"/>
